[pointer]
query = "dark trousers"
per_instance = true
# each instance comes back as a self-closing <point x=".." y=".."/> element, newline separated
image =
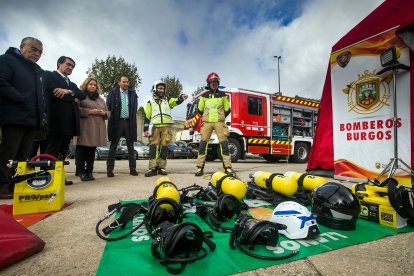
<point x="38" y="145"/>
<point x="15" y="145"/>
<point x="123" y="130"/>
<point x="84" y="159"/>
<point x="58" y="146"/>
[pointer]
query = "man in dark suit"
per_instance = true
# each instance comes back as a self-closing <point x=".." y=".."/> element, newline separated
<point x="122" y="102"/>
<point x="21" y="104"/>
<point x="62" y="108"/>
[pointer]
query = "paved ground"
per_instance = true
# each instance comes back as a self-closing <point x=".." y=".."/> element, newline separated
<point x="72" y="247"/>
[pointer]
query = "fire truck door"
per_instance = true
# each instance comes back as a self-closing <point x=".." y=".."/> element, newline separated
<point x="256" y="116"/>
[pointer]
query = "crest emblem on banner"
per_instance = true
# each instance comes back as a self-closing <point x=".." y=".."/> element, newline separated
<point x="343" y="59"/>
<point x="369" y="93"/>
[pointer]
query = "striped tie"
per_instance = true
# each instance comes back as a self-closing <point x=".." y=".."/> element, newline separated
<point x="123" y="105"/>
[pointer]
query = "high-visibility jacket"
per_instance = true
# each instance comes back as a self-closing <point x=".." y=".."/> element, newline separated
<point x="214" y="106"/>
<point x="158" y="111"/>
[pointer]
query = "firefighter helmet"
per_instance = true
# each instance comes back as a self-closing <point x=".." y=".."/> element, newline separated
<point x="155" y="85"/>
<point x="212" y="77"/>
<point x="335" y="206"/>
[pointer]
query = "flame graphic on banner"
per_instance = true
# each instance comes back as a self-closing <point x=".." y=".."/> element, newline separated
<point x="347" y="168"/>
<point x="374" y="46"/>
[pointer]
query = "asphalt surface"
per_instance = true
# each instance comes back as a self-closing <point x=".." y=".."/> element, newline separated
<point x="72" y="247"/>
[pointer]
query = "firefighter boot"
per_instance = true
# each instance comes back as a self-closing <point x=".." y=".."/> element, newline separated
<point x="199" y="172"/>
<point x="151" y="172"/>
<point x="162" y="171"/>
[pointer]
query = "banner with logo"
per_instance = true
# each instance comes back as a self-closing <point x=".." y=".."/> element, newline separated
<point x="363" y="110"/>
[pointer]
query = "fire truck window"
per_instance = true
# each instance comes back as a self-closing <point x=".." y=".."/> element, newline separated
<point x="192" y="109"/>
<point x="254" y="106"/>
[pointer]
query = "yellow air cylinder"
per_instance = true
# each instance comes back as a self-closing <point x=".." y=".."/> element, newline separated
<point x="309" y="182"/>
<point x="229" y="184"/>
<point x="280" y="183"/>
<point x="164" y="188"/>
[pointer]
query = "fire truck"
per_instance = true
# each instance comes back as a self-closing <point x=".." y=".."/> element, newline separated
<point x="271" y="125"/>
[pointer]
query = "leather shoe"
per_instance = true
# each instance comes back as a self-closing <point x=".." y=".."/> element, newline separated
<point x="68" y="182"/>
<point x="110" y="174"/>
<point x="85" y="177"/>
<point x="90" y="175"/>
<point x="134" y="173"/>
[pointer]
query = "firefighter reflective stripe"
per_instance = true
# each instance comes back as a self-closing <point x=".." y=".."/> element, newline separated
<point x="266" y="142"/>
<point x="297" y="101"/>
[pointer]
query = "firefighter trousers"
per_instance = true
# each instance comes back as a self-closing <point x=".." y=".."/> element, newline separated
<point x="222" y="133"/>
<point x="158" y="149"/>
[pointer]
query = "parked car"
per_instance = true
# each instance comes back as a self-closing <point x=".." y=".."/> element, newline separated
<point x="141" y="151"/>
<point x="178" y="151"/>
<point x="193" y="150"/>
<point x="103" y="152"/>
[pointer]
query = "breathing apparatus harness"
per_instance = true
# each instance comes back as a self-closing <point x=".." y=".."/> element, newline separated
<point x="157" y="214"/>
<point x="180" y="243"/>
<point x="251" y="232"/>
<point x="274" y="198"/>
<point x="225" y="207"/>
<point x="128" y="212"/>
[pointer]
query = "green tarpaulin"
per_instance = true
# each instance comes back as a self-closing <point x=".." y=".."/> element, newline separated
<point x="132" y="255"/>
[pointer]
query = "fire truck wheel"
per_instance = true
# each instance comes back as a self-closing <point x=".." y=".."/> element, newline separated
<point x="301" y="153"/>
<point x="235" y="150"/>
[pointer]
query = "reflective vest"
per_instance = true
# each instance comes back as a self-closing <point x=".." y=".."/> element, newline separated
<point x="161" y="112"/>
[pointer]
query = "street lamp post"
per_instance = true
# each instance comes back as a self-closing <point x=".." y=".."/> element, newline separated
<point x="278" y="69"/>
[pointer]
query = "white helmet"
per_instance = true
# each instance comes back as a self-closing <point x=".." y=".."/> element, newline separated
<point x="296" y="221"/>
<point x="158" y="82"/>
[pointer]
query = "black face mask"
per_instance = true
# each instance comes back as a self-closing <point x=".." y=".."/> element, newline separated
<point x="93" y="95"/>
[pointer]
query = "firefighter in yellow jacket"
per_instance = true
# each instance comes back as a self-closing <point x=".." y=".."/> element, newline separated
<point x="157" y="127"/>
<point x="214" y="106"/>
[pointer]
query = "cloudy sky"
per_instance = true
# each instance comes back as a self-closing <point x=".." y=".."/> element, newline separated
<point x="189" y="39"/>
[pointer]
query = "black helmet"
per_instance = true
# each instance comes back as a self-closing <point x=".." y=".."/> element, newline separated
<point x="335" y="206"/>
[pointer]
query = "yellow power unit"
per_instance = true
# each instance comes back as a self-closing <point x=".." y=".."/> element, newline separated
<point x="281" y="184"/>
<point x="376" y="207"/>
<point x="40" y="194"/>
<point x="309" y="182"/>
<point x="229" y="185"/>
<point x="164" y="188"/>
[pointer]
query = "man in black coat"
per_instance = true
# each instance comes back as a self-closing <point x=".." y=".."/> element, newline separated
<point x="21" y="104"/>
<point x="122" y="102"/>
<point x="62" y="96"/>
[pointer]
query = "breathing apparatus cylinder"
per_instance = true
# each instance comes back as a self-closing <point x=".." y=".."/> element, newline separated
<point x="227" y="184"/>
<point x="164" y="188"/>
<point x="277" y="182"/>
<point x="307" y="181"/>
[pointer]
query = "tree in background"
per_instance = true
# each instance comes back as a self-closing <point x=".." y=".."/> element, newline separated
<point x="108" y="72"/>
<point x="198" y="90"/>
<point x="174" y="86"/>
